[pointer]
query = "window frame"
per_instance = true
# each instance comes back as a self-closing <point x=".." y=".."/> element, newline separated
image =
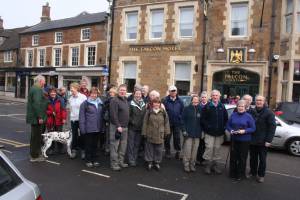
<point x="54" y="56"/>
<point x="35" y="40"/>
<point x="126" y="25"/>
<point x="150" y="23"/>
<point x="8" y="56"/>
<point x="27" y="58"/>
<point x="189" y="63"/>
<point x="125" y="78"/>
<point x="56" y="36"/>
<point x="71" y="56"/>
<point x="247" y="21"/>
<point x="39" y="57"/>
<point x="82" y="34"/>
<point x="87" y="54"/>
<point x="179" y="22"/>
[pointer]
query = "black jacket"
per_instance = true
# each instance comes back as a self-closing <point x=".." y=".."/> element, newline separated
<point x="136" y="115"/>
<point x="192" y="121"/>
<point x="214" y="119"/>
<point x="265" y="126"/>
<point x="119" y="111"/>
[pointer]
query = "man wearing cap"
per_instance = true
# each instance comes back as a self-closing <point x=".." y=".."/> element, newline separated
<point x="174" y="107"/>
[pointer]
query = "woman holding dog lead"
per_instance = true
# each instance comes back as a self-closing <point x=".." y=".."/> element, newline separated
<point x="56" y="117"/>
<point x="91" y="124"/>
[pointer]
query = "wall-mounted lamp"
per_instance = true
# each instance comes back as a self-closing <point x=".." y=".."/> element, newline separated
<point x="251" y="51"/>
<point x="221" y="49"/>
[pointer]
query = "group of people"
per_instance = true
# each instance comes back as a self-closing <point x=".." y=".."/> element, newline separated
<point x="144" y="123"/>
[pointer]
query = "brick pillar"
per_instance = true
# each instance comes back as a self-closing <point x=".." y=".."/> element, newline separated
<point x="46" y="13"/>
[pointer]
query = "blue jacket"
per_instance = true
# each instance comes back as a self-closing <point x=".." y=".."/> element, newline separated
<point x="241" y="121"/>
<point x="91" y="117"/>
<point x="174" y="110"/>
<point x="214" y="119"/>
<point x="192" y="121"/>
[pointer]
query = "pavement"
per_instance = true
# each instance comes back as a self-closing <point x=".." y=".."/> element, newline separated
<point x="64" y="178"/>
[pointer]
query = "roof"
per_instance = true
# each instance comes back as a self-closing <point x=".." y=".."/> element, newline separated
<point x="81" y="19"/>
<point x="12" y="39"/>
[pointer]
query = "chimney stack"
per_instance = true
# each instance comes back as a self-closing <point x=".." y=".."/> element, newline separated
<point x="46" y="13"/>
<point x="1" y="23"/>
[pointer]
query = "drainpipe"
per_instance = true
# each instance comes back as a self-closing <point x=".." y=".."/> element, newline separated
<point x="112" y="12"/>
<point x="272" y="44"/>
<point x="203" y="64"/>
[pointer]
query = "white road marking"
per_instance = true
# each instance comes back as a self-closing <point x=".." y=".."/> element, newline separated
<point x="281" y="174"/>
<point x="184" y="196"/>
<point x="52" y="162"/>
<point x="13" y="143"/>
<point x="11" y="115"/>
<point x="6" y="151"/>
<point x="95" y="173"/>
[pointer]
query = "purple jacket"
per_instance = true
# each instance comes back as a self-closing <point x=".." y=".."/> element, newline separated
<point x="91" y="117"/>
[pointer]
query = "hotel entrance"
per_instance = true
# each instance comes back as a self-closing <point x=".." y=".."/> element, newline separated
<point x="236" y="82"/>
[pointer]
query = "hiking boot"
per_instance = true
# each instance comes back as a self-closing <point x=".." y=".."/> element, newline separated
<point x="250" y="176"/>
<point x="116" y="168"/>
<point x="192" y="167"/>
<point x="216" y="169"/>
<point x="186" y="168"/>
<point x="89" y="164"/>
<point x="156" y="166"/>
<point x="207" y="168"/>
<point x="177" y="155"/>
<point x="38" y="159"/>
<point x="260" y="179"/>
<point x="149" y="166"/>
<point x="123" y="165"/>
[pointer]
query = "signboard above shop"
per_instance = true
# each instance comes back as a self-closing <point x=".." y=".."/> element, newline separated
<point x="154" y="48"/>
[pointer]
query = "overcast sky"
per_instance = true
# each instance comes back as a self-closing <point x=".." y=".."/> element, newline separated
<point x="18" y="13"/>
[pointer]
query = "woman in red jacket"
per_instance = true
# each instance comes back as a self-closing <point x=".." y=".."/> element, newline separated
<point x="56" y="116"/>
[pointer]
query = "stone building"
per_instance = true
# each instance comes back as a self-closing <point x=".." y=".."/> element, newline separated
<point x="64" y="51"/>
<point x="163" y="42"/>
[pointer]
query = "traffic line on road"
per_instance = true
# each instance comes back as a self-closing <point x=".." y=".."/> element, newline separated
<point x="184" y="196"/>
<point x="282" y="174"/>
<point x="52" y="162"/>
<point x="12" y="115"/>
<point x="95" y="173"/>
<point x="13" y="143"/>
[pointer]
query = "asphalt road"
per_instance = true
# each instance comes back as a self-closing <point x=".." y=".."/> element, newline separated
<point x="62" y="178"/>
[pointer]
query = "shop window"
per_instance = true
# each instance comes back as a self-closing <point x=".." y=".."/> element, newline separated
<point x="296" y="92"/>
<point x="186" y="21"/>
<point x="2" y="81"/>
<point x="289" y="16"/>
<point x="11" y="82"/>
<point x="183" y="77"/>
<point x="130" y="75"/>
<point x="131" y="25"/>
<point x="239" y="19"/>
<point x="297" y="71"/>
<point x="157" y="24"/>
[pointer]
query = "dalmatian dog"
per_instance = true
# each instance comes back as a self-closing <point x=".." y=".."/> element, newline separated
<point x="64" y="137"/>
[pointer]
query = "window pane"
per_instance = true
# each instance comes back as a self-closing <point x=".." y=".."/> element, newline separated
<point x="42" y="57"/>
<point x="298" y="22"/>
<point x="239" y="19"/>
<point x="57" y="57"/>
<point x="29" y="58"/>
<point x="131" y="25"/>
<point x="289" y="6"/>
<point x="129" y="70"/>
<point x="75" y="56"/>
<point x="183" y="71"/>
<point x="297" y="71"/>
<point x="288" y="23"/>
<point x="296" y="92"/>
<point x="91" y="55"/>
<point x="183" y="87"/>
<point x="157" y="21"/>
<point x="186" y="21"/>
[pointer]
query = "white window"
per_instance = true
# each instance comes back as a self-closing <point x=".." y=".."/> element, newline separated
<point x="186" y="24"/>
<point x="239" y="19"/>
<point x="74" y="56"/>
<point x="156" y="24"/>
<point x="91" y="55"/>
<point x="29" y="58"/>
<point x="298" y="17"/>
<point x="289" y="16"/>
<point x="8" y="56"/>
<point x="35" y="40"/>
<point x="131" y="25"/>
<point x="57" y="57"/>
<point x="85" y="34"/>
<point x="129" y="75"/>
<point x="41" y="57"/>
<point x="183" y="77"/>
<point x="58" y="37"/>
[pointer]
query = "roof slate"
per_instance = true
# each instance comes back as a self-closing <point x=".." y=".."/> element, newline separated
<point x="12" y="39"/>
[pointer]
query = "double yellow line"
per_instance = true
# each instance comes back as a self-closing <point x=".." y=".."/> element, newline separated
<point x="13" y="143"/>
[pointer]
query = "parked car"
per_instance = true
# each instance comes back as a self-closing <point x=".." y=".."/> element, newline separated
<point x="287" y="135"/>
<point x="290" y="111"/>
<point x="13" y="185"/>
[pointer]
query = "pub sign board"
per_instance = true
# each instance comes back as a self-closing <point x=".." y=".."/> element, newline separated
<point x="236" y="55"/>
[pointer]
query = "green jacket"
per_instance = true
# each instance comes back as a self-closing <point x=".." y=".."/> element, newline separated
<point x="156" y="126"/>
<point x="36" y="105"/>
